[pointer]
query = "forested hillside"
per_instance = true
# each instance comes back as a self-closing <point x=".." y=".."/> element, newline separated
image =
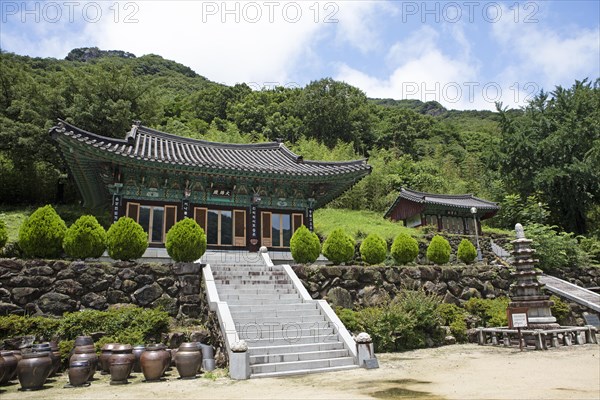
<point x="543" y="160"/>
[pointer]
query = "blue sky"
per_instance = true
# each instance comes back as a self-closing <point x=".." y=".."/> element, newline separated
<point x="464" y="54"/>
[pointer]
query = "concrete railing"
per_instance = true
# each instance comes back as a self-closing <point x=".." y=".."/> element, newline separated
<point x="230" y="334"/>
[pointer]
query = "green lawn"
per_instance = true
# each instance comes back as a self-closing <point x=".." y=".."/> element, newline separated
<point x="358" y="223"/>
<point x="13" y="217"/>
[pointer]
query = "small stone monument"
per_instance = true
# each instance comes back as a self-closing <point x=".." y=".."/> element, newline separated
<point x="365" y="351"/>
<point x="527" y="290"/>
<point x="239" y="361"/>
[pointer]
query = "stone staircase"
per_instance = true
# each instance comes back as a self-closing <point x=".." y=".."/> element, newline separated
<point x="286" y="333"/>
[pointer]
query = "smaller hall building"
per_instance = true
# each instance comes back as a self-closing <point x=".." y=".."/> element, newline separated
<point x="451" y="213"/>
<point x="243" y="195"/>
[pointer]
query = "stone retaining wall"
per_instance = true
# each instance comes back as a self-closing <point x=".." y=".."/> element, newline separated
<point x="53" y="287"/>
<point x="358" y="286"/>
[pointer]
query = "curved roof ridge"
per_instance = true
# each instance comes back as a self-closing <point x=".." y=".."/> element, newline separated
<point x="171" y="136"/>
<point x="73" y="128"/>
<point x="445" y="196"/>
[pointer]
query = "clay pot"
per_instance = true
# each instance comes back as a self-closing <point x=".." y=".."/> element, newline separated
<point x="122" y="353"/>
<point x="83" y="341"/>
<point x="138" y="349"/>
<point x="188" y="360"/>
<point x="119" y="371"/>
<point x="3" y="370"/>
<point x="104" y="357"/>
<point x="86" y="353"/>
<point x="154" y="362"/>
<point x="173" y="355"/>
<point x="79" y="371"/>
<point x="10" y="366"/>
<point x="169" y="356"/>
<point x="33" y="370"/>
<point x="54" y="355"/>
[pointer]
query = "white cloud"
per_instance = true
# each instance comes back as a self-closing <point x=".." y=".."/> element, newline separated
<point x="421" y="70"/>
<point x="227" y="42"/>
<point x="546" y="57"/>
<point x="360" y="22"/>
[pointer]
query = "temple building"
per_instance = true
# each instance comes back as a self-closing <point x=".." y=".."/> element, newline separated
<point x="451" y="213"/>
<point x="242" y="195"/>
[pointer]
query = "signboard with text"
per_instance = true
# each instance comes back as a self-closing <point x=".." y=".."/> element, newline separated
<point x="517" y="317"/>
<point x="116" y="207"/>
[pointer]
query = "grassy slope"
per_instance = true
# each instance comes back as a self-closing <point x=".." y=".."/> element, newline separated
<point x="358" y="223"/>
<point x="13" y="218"/>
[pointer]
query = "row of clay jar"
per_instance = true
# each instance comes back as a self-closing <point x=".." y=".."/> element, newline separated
<point x="120" y="360"/>
<point x="32" y="366"/>
<point x="35" y="365"/>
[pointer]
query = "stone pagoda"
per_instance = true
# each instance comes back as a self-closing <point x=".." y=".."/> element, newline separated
<point x="527" y="290"/>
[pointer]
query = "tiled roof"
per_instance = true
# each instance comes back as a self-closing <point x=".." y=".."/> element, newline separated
<point x="465" y="201"/>
<point x="454" y="200"/>
<point x="146" y="144"/>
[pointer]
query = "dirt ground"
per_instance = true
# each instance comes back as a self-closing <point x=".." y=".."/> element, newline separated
<point x="450" y="372"/>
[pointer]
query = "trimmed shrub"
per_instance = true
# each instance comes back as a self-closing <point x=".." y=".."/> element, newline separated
<point x="186" y="241"/>
<point x="560" y="310"/>
<point x="85" y="238"/>
<point x="3" y="234"/>
<point x="466" y="251"/>
<point x="305" y="246"/>
<point x="373" y="249"/>
<point x="42" y="234"/>
<point x="439" y="250"/>
<point x="454" y="317"/>
<point x="492" y="312"/>
<point x="338" y="247"/>
<point x="128" y="324"/>
<point x="404" y="249"/>
<point x="126" y="240"/>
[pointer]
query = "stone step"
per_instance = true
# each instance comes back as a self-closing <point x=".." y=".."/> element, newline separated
<point x="290" y="320"/>
<point x="266" y="296"/>
<point x="255" y="275"/>
<point x="283" y="325"/>
<point x="228" y="290"/>
<point x="302" y="371"/>
<point x="295" y="348"/>
<point x="250" y="332"/>
<point x="294" y="340"/>
<point x="258" y="286"/>
<point x="276" y="312"/>
<point x="252" y="267"/>
<point x="257" y="302"/>
<point x="301" y="365"/>
<point x="299" y="356"/>
<point x="250" y="282"/>
<point x="296" y="307"/>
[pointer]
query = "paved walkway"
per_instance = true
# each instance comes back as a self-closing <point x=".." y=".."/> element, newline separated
<point x="573" y="292"/>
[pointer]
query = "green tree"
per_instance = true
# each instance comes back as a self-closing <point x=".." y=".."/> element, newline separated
<point x="549" y="148"/>
<point x="373" y="249"/>
<point x="3" y="234"/>
<point x="126" y="240"/>
<point x="186" y="241"/>
<point x="332" y="110"/>
<point x="439" y="250"/>
<point x="404" y="249"/>
<point x="305" y="246"/>
<point x="466" y="251"/>
<point x="85" y="238"/>
<point x="41" y="235"/>
<point x="338" y="247"/>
